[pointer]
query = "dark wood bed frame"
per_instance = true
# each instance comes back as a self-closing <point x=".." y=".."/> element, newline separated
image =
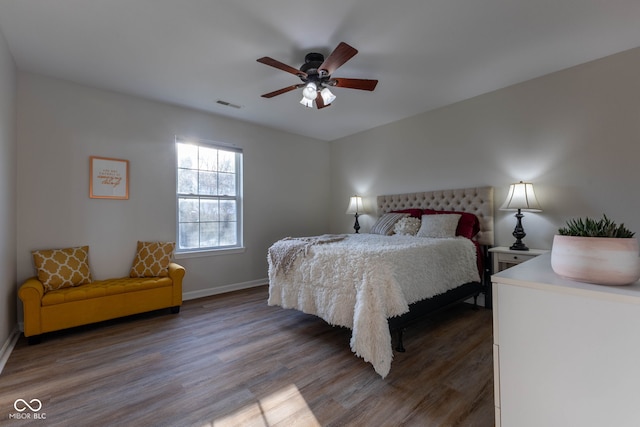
<point x="475" y="200"/>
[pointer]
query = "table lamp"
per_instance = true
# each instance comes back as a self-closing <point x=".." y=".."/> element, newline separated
<point x="355" y="207"/>
<point x="521" y="197"/>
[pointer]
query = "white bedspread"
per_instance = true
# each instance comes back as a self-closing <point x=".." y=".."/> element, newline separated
<point x="361" y="281"/>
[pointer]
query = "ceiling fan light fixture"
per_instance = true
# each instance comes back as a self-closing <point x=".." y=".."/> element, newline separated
<point x="306" y="102"/>
<point x="327" y="96"/>
<point x="317" y="76"/>
<point x="309" y="91"/>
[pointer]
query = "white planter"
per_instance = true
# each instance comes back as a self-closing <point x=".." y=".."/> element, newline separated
<point x="599" y="260"/>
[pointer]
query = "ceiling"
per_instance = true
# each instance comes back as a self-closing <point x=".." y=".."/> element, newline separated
<point x="425" y="53"/>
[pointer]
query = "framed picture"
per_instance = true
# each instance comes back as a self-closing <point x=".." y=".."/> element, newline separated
<point x="109" y="178"/>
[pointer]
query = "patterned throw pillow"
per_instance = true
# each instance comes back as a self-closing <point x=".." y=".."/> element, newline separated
<point x="152" y="259"/>
<point x="62" y="268"/>
<point x="407" y="226"/>
<point x="384" y="224"/>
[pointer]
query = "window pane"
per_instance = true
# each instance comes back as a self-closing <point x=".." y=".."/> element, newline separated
<point x="227" y="210"/>
<point x="228" y="234"/>
<point x="208" y="183"/>
<point x="209" y="234"/>
<point x="188" y="210"/>
<point x="227" y="184"/>
<point x="208" y="159"/>
<point x="187" y="156"/>
<point x="187" y="181"/>
<point x="209" y="210"/>
<point x="226" y="161"/>
<point x="188" y="235"/>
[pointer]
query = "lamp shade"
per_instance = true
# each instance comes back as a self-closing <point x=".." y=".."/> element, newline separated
<point x="309" y="91"/>
<point x="327" y="96"/>
<point x="521" y="196"/>
<point x="306" y="102"/>
<point x="355" y="205"/>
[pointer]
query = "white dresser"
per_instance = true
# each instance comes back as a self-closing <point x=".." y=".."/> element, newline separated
<point x="565" y="353"/>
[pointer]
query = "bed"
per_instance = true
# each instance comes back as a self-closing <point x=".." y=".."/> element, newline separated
<point x="375" y="284"/>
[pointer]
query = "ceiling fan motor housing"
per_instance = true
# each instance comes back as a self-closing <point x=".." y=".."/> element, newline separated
<point x="312" y="61"/>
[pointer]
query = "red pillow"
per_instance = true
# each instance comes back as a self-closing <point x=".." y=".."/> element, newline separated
<point x="468" y="225"/>
<point x="415" y="213"/>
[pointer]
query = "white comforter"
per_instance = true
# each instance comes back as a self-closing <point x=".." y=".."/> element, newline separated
<point x="361" y="281"/>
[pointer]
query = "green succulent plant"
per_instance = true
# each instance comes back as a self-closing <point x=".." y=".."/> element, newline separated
<point x="595" y="228"/>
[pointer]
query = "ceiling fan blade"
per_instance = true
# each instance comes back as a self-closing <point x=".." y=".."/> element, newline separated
<point x="281" y="91"/>
<point x="280" y="66"/>
<point x="320" y="102"/>
<point x="341" y="54"/>
<point x="362" y="84"/>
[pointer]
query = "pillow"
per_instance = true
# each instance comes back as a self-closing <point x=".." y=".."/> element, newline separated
<point x="439" y="225"/>
<point x="62" y="268"/>
<point x="384" y="224"/>
<point x="468" y="226"/>
<point x="407" y="226"/>
<point x="152" y="259"/>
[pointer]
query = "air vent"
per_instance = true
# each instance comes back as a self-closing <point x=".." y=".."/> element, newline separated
<point x="227" y="104"/>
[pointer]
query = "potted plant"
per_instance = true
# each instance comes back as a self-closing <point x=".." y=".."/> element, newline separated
<point x="596" y="251"/>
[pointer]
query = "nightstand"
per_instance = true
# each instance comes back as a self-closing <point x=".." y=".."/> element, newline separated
<point x="503" y="257"/>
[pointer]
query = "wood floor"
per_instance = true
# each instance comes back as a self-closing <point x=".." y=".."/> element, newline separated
<point x="232" y="360"/>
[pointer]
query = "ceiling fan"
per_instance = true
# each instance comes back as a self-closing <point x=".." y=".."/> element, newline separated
<point x="316" y="75"/>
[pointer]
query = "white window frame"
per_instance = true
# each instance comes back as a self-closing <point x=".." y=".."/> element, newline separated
<point x="182" y="252"/>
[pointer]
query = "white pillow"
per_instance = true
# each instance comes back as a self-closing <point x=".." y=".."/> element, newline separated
<point x="442" y="225"/>
<point x="384" y="224"/>
<point x="407" y="226"/>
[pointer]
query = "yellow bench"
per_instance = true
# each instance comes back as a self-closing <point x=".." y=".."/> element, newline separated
<point x="97" y="301"/>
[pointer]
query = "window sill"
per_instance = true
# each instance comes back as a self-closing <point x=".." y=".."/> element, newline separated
<point x="210" y="252"/>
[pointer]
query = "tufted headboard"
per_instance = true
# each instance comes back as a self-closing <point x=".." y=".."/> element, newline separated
<point x="478" y="201"/>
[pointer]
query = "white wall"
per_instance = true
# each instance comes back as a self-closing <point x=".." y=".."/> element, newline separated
<point x="61" y="124"/>
<point x="575" y="134"/>
<point x="8" y="292"/>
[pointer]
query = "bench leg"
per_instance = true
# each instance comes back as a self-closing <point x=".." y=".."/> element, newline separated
<point x="33" y="340"/>
<point x="175" y="310"/>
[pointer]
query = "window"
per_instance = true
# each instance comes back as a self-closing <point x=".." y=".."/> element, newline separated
<point x="209" y="196"/>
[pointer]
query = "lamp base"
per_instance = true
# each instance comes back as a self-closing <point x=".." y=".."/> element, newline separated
<point x="518" y="246"/>
<point x="356" y="226"/>
<point x="519" y="234"/>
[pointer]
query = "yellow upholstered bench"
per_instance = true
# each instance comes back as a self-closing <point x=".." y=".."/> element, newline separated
<point x="97" y="301"/>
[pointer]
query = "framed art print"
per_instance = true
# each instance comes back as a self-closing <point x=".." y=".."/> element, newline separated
<point x="109" y="178"/>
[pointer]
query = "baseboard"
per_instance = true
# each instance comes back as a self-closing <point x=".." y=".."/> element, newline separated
<point x="7" y="347"/>
<point x="223" y="289"/>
